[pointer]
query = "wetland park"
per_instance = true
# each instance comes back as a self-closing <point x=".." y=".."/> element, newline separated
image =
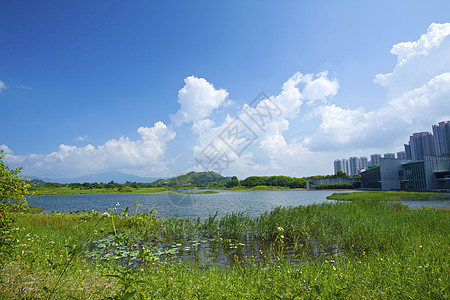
<point x="365" y="245"/>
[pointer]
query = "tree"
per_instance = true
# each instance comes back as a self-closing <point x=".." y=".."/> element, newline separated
<point x="12" y="186"/>
<point x="341" y="174"/>
<point x="13" y="193"/>
<point x="233" y="182"/>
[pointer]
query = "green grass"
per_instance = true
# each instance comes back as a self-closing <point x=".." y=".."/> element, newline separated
<point x="63" y="190"/>
<point x="197" y="193"/>
<point x="381" y="195"/>
<point x="258" y="188"/>
<point x="348" y="250"/>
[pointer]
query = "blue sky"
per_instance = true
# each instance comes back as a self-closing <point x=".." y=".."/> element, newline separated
<point x="148" y="88"/>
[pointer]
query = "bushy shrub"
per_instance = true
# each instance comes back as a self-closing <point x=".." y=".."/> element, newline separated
<point x="13" y="193"/>
<point x="334" y="186"/>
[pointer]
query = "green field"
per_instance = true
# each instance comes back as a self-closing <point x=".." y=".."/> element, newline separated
<point x="64" y="190"/>
<point x="348" y="250"/>
<point x="380" y="196"/>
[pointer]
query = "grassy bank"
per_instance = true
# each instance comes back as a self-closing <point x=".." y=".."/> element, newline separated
<point x="351" y="250"/>
<point x="380" y="195"/>
<point x="64" y="190"/>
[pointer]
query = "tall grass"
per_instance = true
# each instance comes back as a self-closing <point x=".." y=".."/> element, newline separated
<point x="380" y="195"/>
<point x="354" y="250"/>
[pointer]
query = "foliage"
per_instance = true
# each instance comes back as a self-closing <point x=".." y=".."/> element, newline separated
<point x="193" y="178"/>
<point x="96" y="188"/>
<point x="379" y="196"/>
<point x="339" y="174"/>
<point x="13" y="192"/>
<point x="352" y="250"/>
<point x="12" y="187"/>
<point x="234" y="182"/>
<point x="335" y="186"/>
<point x="281" y="181"/>
<point x="204" y="180"/>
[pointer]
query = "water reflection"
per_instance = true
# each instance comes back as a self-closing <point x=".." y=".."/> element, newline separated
<point x="441" y="201"/>
<point x="187" y="206"/>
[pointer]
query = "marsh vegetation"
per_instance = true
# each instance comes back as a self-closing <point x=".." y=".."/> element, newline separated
<point x="354" y="249"/>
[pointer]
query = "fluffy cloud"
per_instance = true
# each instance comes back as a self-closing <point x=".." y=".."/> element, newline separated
<point x="405" y="51"/>
<point x="2" y="85"/>
<point x="423" y="104"/>
<point x="198" y="99"/>
<point x="418" y="93"/>
<point x="314" y="87"/>
<point x="143" y="156"/>
<point x="418" y="61"/>
<point x="202" y="126"/>
<point x="253" y="142"/>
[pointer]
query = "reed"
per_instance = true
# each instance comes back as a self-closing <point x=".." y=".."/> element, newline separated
<point x="356" y="249"/>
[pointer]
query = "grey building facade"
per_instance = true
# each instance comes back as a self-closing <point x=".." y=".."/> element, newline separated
<point x="430" y="174"/>
<point x="441" y="134"/>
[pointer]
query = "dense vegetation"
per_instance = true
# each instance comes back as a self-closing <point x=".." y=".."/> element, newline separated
<point x="193" y="178"/>
<point x="202" y="180"/>
<point x="379" y="196"/>
<point x="351" y="250"/>
<point x="283" y="181"/>
<point x="338" y="186"/>
<point x="363" y="248"/>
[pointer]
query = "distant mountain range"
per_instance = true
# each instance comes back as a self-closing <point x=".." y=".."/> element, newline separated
<point x="118" y="177"/>
<point x="193" y="178"/>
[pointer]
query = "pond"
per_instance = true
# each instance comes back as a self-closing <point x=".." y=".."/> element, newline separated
<point x="203" y="247"/>
<point x="187" y="206"/>
<point x="191" y="206"/>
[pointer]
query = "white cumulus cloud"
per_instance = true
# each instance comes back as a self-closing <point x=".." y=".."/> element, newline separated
<point x="418" y="96"/>
<point x="253" y="142"/>
<point x="418" y="61"/>
<point x="141" y="157"/>
<point x="198" y="99"/>
<point x="433" y="38"/>
<point x="2" y="85"/>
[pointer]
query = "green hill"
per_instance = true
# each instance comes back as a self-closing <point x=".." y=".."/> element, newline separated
<point x="193" y="178"/>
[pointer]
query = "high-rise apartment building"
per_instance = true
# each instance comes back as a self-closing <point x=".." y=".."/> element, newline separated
<point x="401" y="155"/>
<point x="338" y="166"/>
<point x="441" y="134"/>
<point x="363" y="163"/>
<point x="408" y="151"/>
<point x="354" y="165"/>
<point x="421" y="143"/>
<point x="389" y="155"/>
<point x="345" y="166"/>
<point x="375" y="159"/>
<point x="341" y="165"/>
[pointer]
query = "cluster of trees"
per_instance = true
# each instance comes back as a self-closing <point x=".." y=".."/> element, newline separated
<point x="101" y="185"/>
<point x="13" y="193"/>
<point x="338" y="186"/>
<point x="283" y="181"/>
<point x="339" y="174"/>
<point x="205" y="180"/>
<point x="194" y="178"/>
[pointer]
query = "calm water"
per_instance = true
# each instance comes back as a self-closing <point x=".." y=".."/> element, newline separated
<point x="253" y="203"/>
